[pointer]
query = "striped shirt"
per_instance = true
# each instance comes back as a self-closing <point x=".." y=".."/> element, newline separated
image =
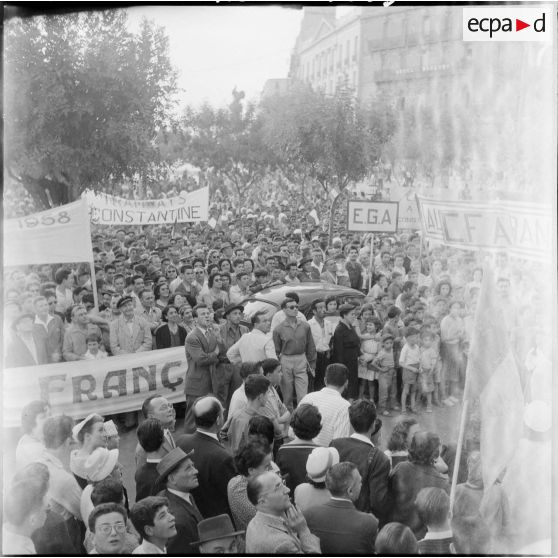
<point x="335" y="414"/>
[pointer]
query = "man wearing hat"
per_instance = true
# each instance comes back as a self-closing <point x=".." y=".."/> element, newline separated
<point x="129" y="333"/>
<point x="226" y="377"/>
<point x="177" y="478"/>
<point x="309" y="273"/>
<point x="26" y="348"/>
<point x="217" y="536"/>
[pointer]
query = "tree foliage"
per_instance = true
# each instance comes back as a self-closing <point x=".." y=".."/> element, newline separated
<point x="84" y="100"/>
<point x="331" y="139"/>
<point x="228" y="142"/>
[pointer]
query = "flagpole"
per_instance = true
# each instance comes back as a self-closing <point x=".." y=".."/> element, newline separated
<point x="457" y="461"/>
<point x="371" y="263"/>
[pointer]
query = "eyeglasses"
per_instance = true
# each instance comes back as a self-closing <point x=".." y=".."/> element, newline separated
<point x="106" y="528"/>
<point x="281" y="485"/>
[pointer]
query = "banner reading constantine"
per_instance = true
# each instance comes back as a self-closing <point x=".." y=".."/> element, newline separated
<point x="57" y="235"/>
<point x="108" y="386"/>
<point x="187" y="207"/>
<point x="521" y="229"/>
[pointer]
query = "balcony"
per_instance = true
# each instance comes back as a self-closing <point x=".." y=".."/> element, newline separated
<point x="396" y="74"/>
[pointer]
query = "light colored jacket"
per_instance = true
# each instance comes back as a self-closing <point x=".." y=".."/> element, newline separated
<point x="121" y="342"/>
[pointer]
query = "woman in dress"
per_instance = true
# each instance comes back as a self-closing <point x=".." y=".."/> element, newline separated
<point x="346" y="347"/>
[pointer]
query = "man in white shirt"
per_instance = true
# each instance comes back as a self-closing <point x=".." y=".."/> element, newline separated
<point x="256" y="345"/>
<point x="241" y="290"/>
<point x="331" y="404"/>
<point x="321" y="332"/>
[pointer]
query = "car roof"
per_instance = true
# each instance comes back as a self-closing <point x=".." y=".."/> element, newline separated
<point x="307" y="292"/>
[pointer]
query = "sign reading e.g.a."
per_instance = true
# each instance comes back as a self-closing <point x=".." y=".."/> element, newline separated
<point x="368" y="216"/>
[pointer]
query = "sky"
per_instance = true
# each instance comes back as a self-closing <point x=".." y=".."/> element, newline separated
<point x="218" y="48"/>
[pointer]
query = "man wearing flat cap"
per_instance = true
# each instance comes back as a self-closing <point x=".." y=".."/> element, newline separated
<point x="129" y="333"/>
<point x="177" y="478"/>
<point x="226" y="377"/>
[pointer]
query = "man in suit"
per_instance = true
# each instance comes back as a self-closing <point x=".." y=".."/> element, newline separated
<point x="341" y="528"/>
<point x="373" y="464"/>
<point x="214" y="463"/>
<point x="129" y="333"/>
<point x="157" y="407"/>
<point x="202" y="356"/>
<point x="50" y="328"/>
<point x="176" y="471"/>
<point x="26" y="347"/>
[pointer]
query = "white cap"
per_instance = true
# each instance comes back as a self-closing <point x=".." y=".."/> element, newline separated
<point x="320" y="461"/>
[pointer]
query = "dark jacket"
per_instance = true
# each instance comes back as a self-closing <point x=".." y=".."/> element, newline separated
<point x="406" y="480"/>
<point x="373" y="466"/>
<point x="145" y="478"/>
<point x="201" y="362"/>
<point x="163" y="336"/>
<point x="215" y="469"/>
<point x="342" y="529"/>
<point x="53" y="336"/>
<point x="346" y="349"/>
<point x="17" y="353"/>
<point x="187" y="517"/>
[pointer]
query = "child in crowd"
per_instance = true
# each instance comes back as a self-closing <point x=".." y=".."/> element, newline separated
<point x="369" y="347"/>
<point x="433" y="507"/>
<point x="409" y="362"/>
<point x="387" y="388"/>
<point x="94" y="352"/>
<point x="428" y="363"/>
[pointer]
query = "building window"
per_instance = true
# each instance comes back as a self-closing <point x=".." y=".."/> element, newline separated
<point x="354" y="80"/>
<point x="348" y="52"/>
<point x="386" y="28"/>
<point x="355" y="50"/>
<point x="401" y="103"/>
<point x="403" y="59"/>
<point x="426" y="26"/>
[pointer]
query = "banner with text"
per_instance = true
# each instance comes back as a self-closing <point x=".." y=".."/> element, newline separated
<point x="57" y="235"/>
<point x="107" y="386"/>
<point x="521" y="229"/>
<point x="369" y="216"/>
<point x="408" y="218"/>
<point x="187" y="207"/>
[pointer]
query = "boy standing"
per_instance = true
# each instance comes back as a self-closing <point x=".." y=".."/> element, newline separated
<point x="428" y="363"/>
<point x="433" y="509"/>
<point x="409" y="361"/>
<point x="386" y="376"/>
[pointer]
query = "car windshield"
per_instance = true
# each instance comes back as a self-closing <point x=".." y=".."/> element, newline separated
<point x="253" y="306"/>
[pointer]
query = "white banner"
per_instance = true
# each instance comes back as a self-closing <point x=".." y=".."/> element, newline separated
<point x="57" y="235"/>
<point x="522" y="229"/>
<point x="112" y="385"/>
<point x="408" y="215"/>
<point x="187" y="207"/>
<point x="368" y="216"/>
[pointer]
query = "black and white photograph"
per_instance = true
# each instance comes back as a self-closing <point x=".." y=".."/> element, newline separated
<point x="313" y="247"/>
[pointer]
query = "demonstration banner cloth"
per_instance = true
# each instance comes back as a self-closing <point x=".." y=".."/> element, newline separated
<point x="107" y="386"/>
<point x="105" y="209"/>
<point x="58" y="235"/>
<point x="521" y="229"/>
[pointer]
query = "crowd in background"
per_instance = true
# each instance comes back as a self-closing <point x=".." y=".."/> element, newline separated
<point x="282" y="417"/>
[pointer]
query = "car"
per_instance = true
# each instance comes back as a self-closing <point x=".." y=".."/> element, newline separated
<point x="269" y="300"/>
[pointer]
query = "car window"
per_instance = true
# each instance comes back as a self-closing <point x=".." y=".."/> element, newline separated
<point x="253" y="306"/>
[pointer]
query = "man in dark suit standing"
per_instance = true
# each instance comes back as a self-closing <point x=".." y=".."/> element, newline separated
<point x="202" y="356"/>
<point x="157" y="407"/>
<point x="176" y="471"/>
<point x="214" y="463"/>
<point x="341" y="528"/>
<point x="26" y="347"/>
<point x="373" y="464"/>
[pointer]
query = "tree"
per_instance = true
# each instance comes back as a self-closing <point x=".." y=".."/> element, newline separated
<point x="228" y="142"/>
<point x="331" y="139"/>
<point x="84" y="99"/>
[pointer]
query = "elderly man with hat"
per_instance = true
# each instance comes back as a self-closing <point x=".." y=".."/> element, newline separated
<point x="177" y="478"/>
<point x="129" y="333"/>
<point x="309" y="273"/>
<point x="225" y="376"/>
<point x="218" y="536"/>
<point x="26" y="348"/>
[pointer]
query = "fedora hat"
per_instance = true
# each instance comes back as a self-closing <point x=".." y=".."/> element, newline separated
<point x="218" y="527"/>
<point x="167" y="465"/>
<point x="232" y="307"/>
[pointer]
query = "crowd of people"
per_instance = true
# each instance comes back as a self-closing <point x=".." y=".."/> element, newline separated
<point x="281" y="449"/>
